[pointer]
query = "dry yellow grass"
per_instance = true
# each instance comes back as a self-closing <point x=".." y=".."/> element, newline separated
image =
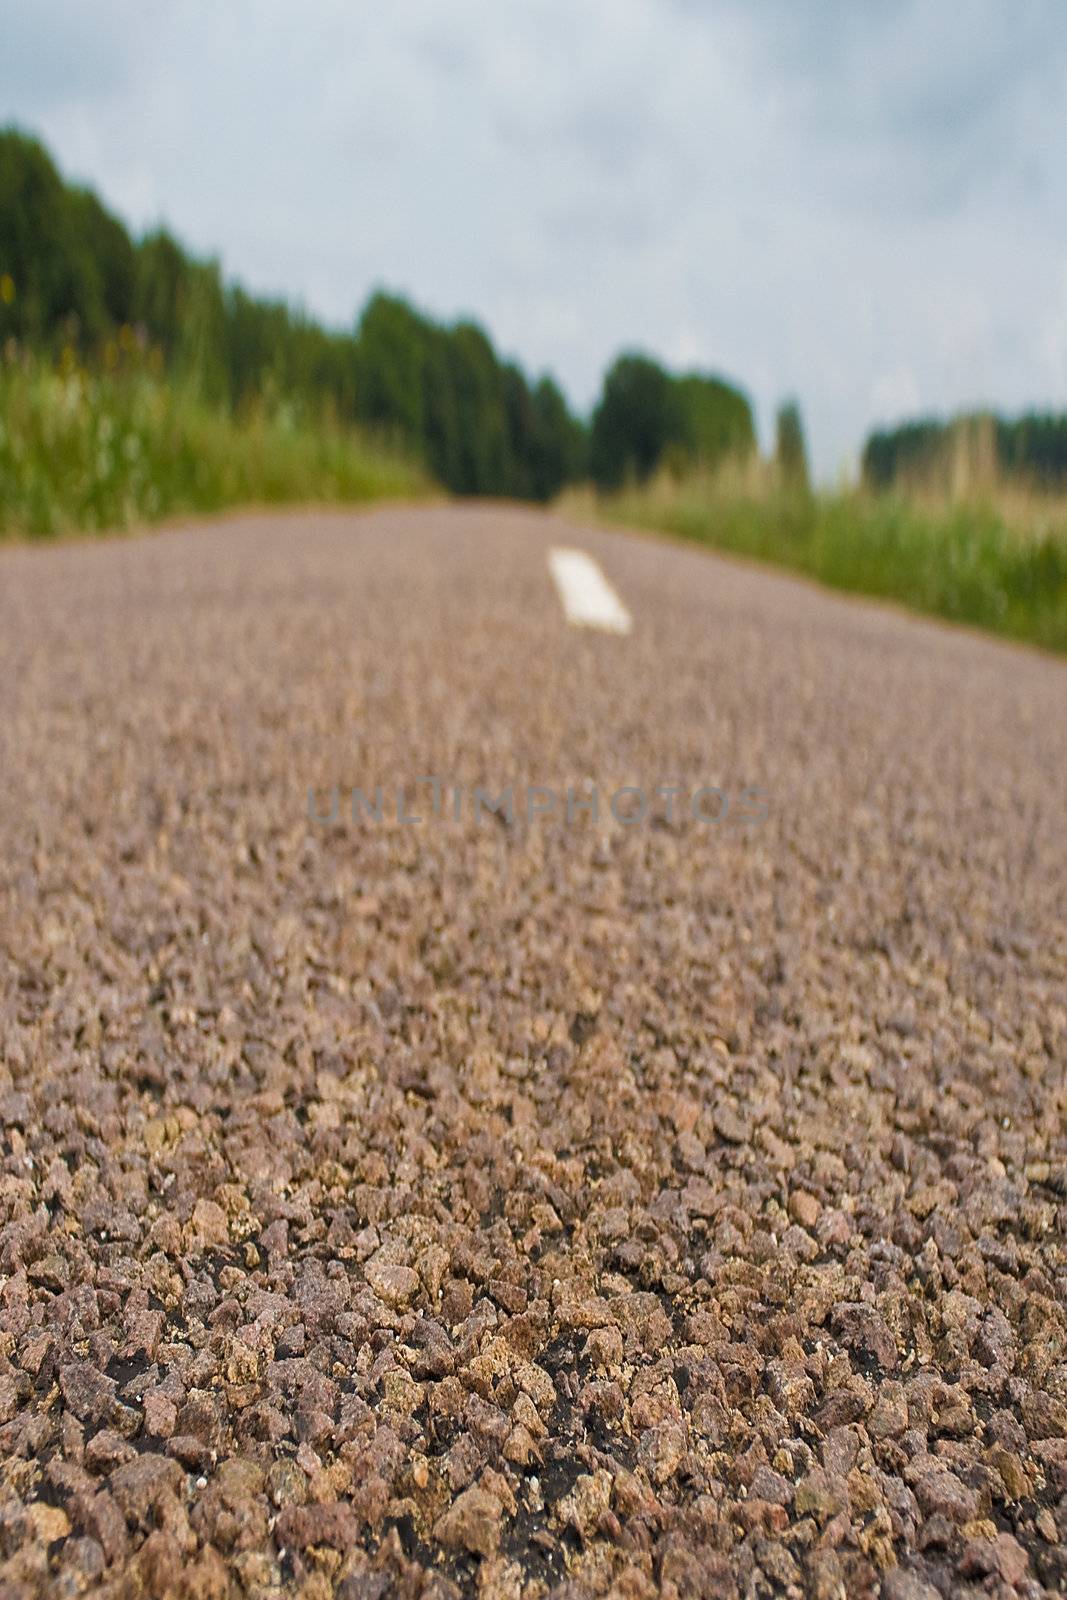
<point x="983" y="552"/>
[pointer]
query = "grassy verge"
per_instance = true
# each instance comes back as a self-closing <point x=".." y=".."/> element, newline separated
<point x="976" y="564"/>
<point x="95" y="450"/>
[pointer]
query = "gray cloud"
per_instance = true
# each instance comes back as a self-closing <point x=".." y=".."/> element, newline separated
<point x="860" y="202"/>
<point x="931" y="102"/>
<point x="53" y="53"/>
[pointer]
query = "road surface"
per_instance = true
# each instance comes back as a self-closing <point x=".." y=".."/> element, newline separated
<point x="529" y="1203"/>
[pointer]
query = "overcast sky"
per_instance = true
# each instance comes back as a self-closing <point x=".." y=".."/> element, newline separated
<point x="862" y="202"/>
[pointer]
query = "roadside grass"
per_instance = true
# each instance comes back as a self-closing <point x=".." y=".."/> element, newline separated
<point x="85" y="450"/>
<point x="974" y="562"/>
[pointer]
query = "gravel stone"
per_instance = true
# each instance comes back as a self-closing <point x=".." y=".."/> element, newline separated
<point x="522" y="1209"/>
<point x="471" y="1523"/>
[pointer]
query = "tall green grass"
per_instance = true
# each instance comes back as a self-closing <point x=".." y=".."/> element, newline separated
<point x="97" y="450"/>
<point x="973" y="563"/>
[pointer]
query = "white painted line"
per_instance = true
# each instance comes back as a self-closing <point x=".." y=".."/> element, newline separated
<point x="588" y="599"/>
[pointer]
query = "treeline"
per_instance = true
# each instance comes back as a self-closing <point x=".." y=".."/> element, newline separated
<point x="647" y="417"/>
<point x="967" y="452"/>
<point x="72" y="276"/>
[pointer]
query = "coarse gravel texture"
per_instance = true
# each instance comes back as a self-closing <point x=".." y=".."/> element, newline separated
<point x="522" y="1209"/>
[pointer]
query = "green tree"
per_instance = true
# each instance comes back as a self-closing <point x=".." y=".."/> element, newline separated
<point x="715" y="419"/>
<point x="58" y="290"/>
<point x="790" y="450"/>
<point x="105" y="243"/>
<point x="911" y="450"/>
<point x="159" y="279"/>
<point x="480" y="410"/>
<point x="391" y="367"/>
<point x="559" y="446"/>
<point x="69" y="269"/>
<point x="636" y="418"/>
<point x="646" y="415"/>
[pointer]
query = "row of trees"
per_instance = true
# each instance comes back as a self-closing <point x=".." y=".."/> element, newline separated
<point x="71" y="274"/>
<point x="970" y="451"/>
<point x="647" y="417"/>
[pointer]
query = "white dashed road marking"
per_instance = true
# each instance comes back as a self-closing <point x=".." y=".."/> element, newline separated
<point x="588" y="599"/>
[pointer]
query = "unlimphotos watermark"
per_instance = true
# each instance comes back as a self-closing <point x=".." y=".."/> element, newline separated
<point x="429" y="799"/>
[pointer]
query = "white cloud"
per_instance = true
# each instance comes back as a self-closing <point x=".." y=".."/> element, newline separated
<point x="858" y="203"/>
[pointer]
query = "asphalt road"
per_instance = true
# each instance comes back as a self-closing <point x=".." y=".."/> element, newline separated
<point x="513" y="1206"/>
